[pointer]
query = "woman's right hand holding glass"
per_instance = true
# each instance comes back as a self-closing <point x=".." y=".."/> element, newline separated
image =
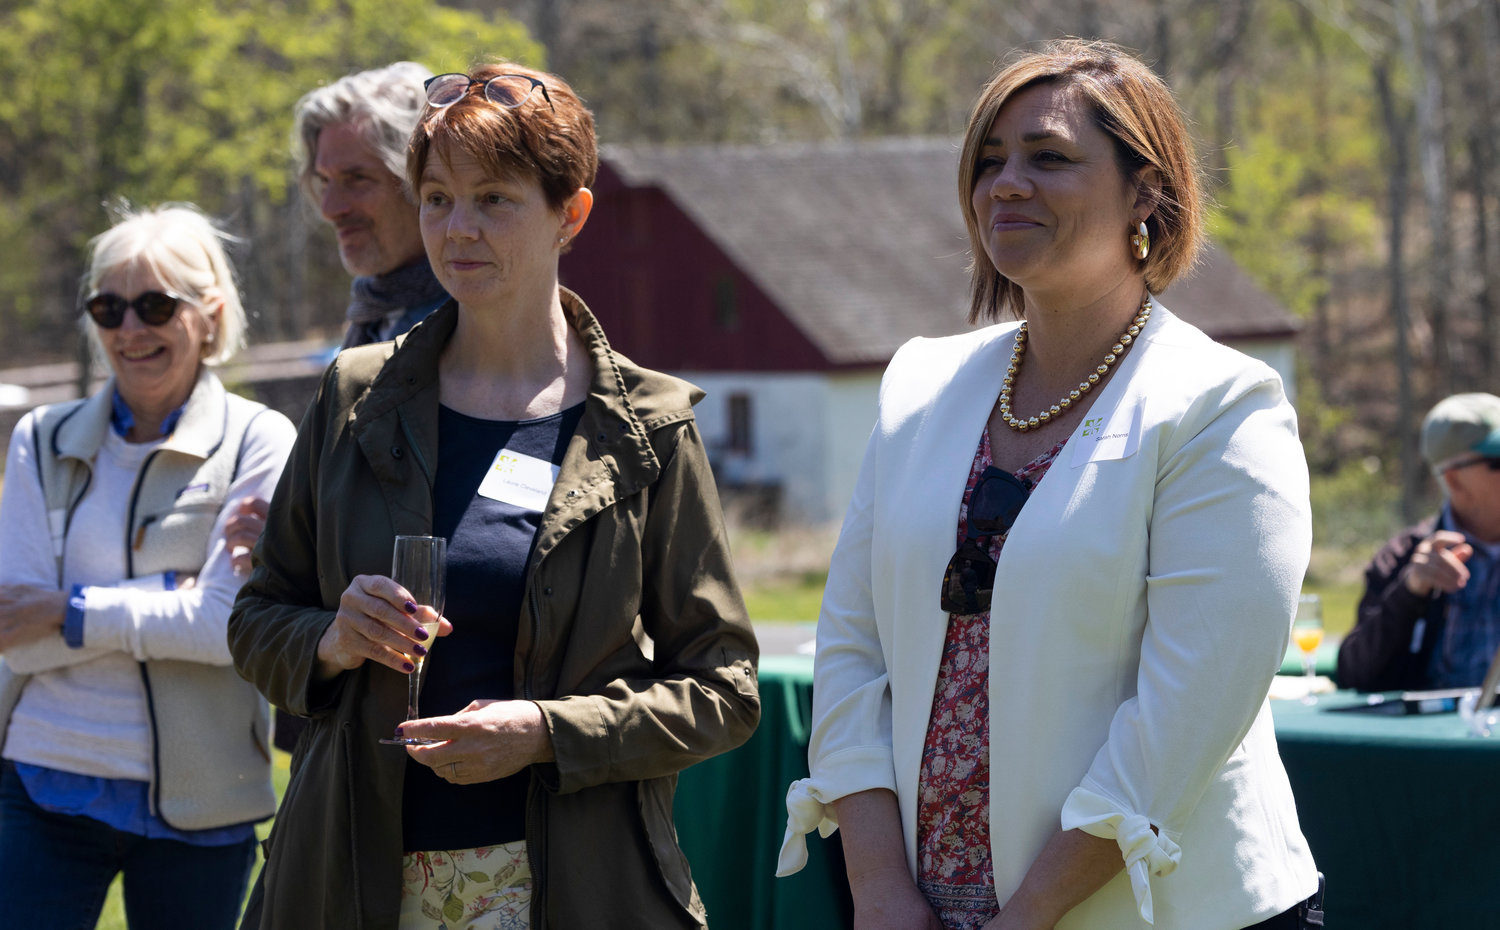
<point x="378" y="621"/>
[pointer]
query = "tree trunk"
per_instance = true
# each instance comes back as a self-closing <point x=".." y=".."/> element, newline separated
<point x="1396" y="129"/>
<point x="1422" y="58"/>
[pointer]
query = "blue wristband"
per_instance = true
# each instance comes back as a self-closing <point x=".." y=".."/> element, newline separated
<point x="73" y="620"/>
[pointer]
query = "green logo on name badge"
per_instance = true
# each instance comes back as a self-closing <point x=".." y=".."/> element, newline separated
<point x="1092" y="425"/>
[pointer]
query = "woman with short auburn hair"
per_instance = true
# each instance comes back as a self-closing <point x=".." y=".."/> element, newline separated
<point x="594" y="641"/>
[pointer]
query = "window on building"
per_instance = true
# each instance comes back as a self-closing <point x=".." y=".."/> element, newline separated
<point x="726" y="304"/>
<point x="739" y="423"/>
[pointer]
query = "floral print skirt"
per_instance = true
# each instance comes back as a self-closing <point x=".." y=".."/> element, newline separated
<point x="488" y="888"/>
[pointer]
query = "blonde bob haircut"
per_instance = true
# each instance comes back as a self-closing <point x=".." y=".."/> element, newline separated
<point x="1136" y="109"/>
<point x="185" y="250"/>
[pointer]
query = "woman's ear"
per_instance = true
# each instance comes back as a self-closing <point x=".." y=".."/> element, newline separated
<point x="211" y="308"/>
<point x="1148" y="190"/>
<point x="575" y="212"/>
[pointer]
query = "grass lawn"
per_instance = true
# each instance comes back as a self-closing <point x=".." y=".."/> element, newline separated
<point x="797" y="598"/>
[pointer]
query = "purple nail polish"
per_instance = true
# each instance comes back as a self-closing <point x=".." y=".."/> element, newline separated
<point x="419" y="649"/>
<point x="410" y="607"/>
<point x="419" y="633"/>
<point x="408" y="667"/>
<point x="399" y="733"/>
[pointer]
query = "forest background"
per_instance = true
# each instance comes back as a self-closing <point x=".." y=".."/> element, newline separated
<point x="1351" y="146"/>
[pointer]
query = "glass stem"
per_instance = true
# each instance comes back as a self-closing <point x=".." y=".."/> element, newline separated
<point x="413" y="688"/>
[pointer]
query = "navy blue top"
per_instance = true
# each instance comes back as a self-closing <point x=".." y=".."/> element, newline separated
<point x="489" y="543"/>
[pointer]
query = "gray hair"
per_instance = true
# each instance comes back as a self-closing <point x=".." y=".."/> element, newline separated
<point x="185" y="250"/>
<point x="384" y="104"/>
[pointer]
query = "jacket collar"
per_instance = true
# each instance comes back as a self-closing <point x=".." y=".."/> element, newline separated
<point x="613" y="427"/>
<point x="199" y="431"/>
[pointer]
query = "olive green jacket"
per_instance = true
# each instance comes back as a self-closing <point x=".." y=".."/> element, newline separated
<point x="634" y="642"/>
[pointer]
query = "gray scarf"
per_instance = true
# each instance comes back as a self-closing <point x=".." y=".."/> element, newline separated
<point x="371" y="297"/>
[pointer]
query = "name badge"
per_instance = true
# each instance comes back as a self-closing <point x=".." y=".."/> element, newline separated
<point x="522" y="480"/>
<point x="1107" y="436"/>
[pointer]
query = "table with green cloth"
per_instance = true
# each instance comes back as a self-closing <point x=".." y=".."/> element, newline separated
<point x="731" y="816"/>
<point x="1400" y="811"/>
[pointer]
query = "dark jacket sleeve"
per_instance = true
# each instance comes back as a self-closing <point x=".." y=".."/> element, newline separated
<point x="702" y="698"/>
<point x="1377" y="653"/>
<point x="279" y="616"/>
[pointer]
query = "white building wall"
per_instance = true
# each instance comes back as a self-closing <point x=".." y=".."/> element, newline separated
<point x="808" y="434"/>
<point x="788" y="418"/>
<point x="1280" y="355"/>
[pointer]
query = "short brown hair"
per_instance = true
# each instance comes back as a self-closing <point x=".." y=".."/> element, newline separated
<point x="1135" y="108"/>
<point x="554" y="144"/>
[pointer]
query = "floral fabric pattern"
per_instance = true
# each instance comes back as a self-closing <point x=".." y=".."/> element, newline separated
<point x="954" y="868"/>
<point x="488" y="888"/>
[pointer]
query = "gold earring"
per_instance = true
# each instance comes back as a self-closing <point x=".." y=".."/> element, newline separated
<point x="1140" y="241"/>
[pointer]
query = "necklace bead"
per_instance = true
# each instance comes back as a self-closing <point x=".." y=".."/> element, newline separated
<point x="1055" y="411"/>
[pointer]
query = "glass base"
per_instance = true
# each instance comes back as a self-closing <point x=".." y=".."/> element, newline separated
<point x="410" y="741"/>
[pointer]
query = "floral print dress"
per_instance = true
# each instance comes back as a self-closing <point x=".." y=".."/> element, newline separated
<point x="954" y="869"/>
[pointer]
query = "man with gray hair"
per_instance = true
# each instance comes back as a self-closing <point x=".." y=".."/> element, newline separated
<point x="1430" y="617"/>
<point x="349" y="141"/>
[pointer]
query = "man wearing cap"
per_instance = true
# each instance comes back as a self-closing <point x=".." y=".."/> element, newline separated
<point x="349" y="142"/>
<point x="1430" y="617"/>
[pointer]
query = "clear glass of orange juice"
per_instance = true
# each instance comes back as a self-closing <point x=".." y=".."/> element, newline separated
<point x="1307" y="633"/>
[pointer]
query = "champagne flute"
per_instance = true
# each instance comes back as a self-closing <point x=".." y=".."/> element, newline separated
<point x="420" y="565"/>
<point x="1307" y="632"/>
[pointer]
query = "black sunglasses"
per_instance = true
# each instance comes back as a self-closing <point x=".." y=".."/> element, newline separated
<point x="152" y="307"/>
<point x="506" y="90"/>
<point x="994" y="504"/>
<point x="1489" y="461"/>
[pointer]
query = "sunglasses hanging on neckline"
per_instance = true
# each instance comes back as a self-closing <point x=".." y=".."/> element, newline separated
<point x="994" y="504"/>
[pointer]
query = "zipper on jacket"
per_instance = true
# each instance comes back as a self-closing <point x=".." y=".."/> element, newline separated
<point x="135" y="499"/>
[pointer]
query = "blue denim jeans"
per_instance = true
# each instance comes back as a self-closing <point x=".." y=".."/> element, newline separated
<point x="55" y="870"/>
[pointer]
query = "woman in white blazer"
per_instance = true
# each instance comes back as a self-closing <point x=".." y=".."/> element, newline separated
<point x="1082" y="740"/>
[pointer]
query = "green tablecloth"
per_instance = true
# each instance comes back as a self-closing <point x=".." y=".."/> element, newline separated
<point x="1401" y="813"/>
<point x="731" y="816"/>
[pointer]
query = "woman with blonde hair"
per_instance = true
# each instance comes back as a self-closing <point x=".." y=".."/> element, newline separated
<point x="130" y="744"/>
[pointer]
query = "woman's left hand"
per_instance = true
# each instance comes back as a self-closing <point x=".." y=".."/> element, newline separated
<point x="487" y="740"/>
<point x="29" y="613"/>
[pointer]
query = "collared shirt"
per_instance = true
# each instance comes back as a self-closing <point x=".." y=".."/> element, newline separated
<point x="1471" y="634"/>
<point x="121" y="418"/>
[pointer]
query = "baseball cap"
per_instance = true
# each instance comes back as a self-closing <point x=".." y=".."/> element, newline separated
<point x="1460" y="425"/>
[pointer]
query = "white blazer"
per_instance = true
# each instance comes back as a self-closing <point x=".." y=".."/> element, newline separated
<point x="1143" y="602"/>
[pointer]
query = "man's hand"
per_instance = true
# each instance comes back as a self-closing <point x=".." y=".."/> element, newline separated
<point x="1437" y="564"/>
<point x="242" y="531"/>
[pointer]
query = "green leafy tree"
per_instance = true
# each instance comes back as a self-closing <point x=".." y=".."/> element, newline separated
<point x="153" y="100"/>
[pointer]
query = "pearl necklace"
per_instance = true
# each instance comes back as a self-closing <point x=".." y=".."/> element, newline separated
<point x="1018" y="352"/>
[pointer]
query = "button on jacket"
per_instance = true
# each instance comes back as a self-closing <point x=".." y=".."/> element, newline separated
<point x="634" y="642"/>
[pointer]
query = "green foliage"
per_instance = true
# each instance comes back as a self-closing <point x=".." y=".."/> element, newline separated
<point x="1303" y="173"/>
<point x="155" y="100"/>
